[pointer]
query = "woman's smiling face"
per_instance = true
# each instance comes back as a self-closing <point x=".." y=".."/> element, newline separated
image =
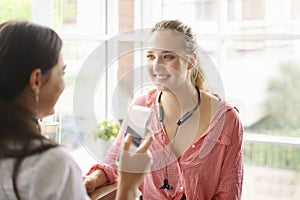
<point x="166" y="61"/>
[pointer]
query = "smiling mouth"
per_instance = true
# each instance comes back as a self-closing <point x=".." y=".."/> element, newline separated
<point x="161" y="78"/>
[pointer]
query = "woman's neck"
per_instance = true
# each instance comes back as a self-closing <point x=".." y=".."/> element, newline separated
<point x="26" y="101"/>
<point x="180" y="100"/>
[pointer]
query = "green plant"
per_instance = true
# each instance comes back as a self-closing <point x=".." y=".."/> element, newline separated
<point x="282" y="105"/>
<point x="106" y="130"/>
<point x="15" y="9"/>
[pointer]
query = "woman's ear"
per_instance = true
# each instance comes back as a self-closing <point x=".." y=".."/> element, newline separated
<point x="193" y="61"/>
<point x="35" y="79"/>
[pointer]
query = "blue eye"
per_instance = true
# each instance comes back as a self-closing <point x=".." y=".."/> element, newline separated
<point x="168" y="57"/>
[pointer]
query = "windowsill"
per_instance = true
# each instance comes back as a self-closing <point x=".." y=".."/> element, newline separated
<point x="107" y="192"/>
<point x="84" y="159"/>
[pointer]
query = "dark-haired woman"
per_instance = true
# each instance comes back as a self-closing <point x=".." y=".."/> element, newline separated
<point x="31" y="81"/>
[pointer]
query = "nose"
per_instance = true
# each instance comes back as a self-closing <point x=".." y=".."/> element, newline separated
<point x="157" y="64"/>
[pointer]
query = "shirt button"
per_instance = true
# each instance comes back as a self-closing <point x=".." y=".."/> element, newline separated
<point x="193" y="146"/>
<point x="181" y="188"/>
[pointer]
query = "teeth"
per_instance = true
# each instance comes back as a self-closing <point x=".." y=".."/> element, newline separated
<point x="161" y="77"/>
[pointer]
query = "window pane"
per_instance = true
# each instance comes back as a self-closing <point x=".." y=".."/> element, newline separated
<point x="246" y="9"/>
<point x="202" y="15"/>
<point x="210" y="64"/>
<point x="262" y="16"/>
<point x="210" y="47"/>
<point x="75" y="52"/>
<point x="15" y="9"/>
<point x="79" y="17"/>
<point x="262" y="78"/>
<point x="295" y="7"/>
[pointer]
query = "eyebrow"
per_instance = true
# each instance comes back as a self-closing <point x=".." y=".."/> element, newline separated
<point x="162" y="51"/>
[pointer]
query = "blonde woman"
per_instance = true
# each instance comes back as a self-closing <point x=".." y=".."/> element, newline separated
<point x="197" y="148"/>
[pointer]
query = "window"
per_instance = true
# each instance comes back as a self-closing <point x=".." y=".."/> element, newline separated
<point x="254" y="45"/>
<point x="12" y="9"/>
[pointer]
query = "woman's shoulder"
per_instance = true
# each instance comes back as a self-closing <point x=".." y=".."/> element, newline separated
<point x="56" y="160"/>
<point x="229" y="114"/>
<point x="226" y="119"/>
<point x="220" y="106"/>
<point x="57" y="154"/>
<point x="59" y="151"/>
<point x="146" y="99"/>
<point x="230" y="108"/>
<point x="61" y="173"/>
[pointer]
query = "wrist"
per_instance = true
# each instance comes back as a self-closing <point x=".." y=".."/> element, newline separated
<point x="100" y="177"/>
<point x="126" y="191"/>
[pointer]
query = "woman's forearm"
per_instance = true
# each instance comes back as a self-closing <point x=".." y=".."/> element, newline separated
<point x="100" y="177"/>
<point x="126" y="192"/>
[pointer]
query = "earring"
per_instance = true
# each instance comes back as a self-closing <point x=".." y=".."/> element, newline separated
<point x="37" y="99"/>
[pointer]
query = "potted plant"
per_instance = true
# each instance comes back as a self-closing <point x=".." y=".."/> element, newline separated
<point x="103" y="135"/>
<point x="106" y="130"/>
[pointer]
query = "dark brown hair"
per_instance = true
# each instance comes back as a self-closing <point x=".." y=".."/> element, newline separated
<point x="24" y="46"/>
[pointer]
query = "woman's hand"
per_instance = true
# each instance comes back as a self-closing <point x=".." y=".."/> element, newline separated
<point x="95" y="179"/>
<point x="133" y="168"/>
<point x="90" y="183"/>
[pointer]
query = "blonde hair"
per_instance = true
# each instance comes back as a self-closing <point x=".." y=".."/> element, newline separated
<point x="196" y="74"/>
